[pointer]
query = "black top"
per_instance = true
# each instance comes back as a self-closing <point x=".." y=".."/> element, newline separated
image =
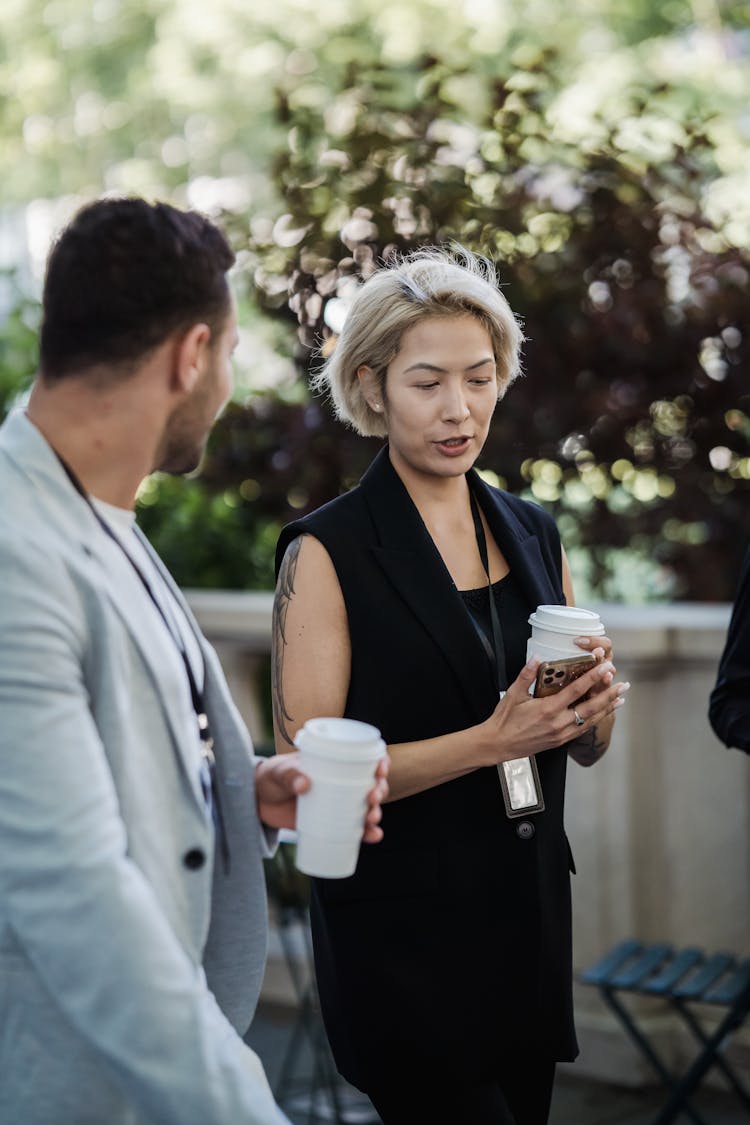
<point x="512" y="612"/>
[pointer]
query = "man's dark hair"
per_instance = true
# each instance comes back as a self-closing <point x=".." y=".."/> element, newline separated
<point x="124" y="275"/>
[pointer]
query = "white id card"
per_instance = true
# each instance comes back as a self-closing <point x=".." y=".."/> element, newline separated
<point x="522" y="790"/>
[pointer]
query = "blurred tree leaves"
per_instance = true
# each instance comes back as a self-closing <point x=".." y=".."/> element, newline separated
<point x="597" y="151"/>
<point x="18" y="340"/>
<point x="633" y="422"/>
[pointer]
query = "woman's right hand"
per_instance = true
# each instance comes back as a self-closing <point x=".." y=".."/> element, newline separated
<point x="521" y="725"/>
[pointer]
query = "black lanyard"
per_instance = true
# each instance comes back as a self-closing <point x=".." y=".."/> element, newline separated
<point x="196" y="695"/>
<point x="496" y="651"/>
<point x="497" y="659"/>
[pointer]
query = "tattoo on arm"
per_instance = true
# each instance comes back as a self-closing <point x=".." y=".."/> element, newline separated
<point x="589" y="748"/>
<point x="284" y="595"/>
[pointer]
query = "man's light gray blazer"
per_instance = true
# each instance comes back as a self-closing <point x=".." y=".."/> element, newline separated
<point x="108" y="935"/>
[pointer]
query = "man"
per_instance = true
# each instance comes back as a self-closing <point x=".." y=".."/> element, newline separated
<point x="729" y="709"/>
<point x="132" y="903"/>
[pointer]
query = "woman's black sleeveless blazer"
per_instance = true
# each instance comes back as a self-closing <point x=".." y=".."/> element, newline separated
<point x="452" y="940"/>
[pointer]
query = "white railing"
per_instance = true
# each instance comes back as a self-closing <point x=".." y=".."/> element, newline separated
<point x="660" y="829"/>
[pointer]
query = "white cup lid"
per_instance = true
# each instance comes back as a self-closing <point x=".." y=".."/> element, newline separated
<point x="567" y="619"/>
<point x="340" y="738"/>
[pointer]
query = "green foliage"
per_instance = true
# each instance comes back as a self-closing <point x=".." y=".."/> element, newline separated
<point x="208" y="539"/>
<point x="18" y="342"/>
<point x="220" y="528"/>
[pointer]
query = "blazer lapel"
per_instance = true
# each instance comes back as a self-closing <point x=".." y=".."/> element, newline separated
<point x="119" y="580"/>
<point x="413" y="565"/>
<point x="227" y="725"/>
<point x="521" y="549"/>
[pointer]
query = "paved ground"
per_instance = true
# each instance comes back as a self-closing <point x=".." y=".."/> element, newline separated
<point x="576" y="1101"/>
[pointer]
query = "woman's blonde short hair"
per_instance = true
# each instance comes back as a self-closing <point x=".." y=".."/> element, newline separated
<point x="426" y="283"/>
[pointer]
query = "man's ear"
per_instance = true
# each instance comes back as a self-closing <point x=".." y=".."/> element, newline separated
<point x="370" y="387"/>
<point x="189" y="357"/>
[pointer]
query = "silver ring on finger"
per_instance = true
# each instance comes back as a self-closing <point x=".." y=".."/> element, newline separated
<point x="579" y="721"/>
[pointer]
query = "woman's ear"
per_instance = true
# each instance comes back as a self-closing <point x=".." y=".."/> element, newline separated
<point x="368" y="382"/>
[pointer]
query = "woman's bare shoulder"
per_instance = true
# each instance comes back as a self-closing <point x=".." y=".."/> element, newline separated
<point x="308" y="577"/>
<point x="306" y="555"/>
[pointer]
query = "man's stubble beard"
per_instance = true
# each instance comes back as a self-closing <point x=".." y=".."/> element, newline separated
<point x="180" y="464"/>
<point x="186" y="434"/>
<point x="182" y="449"/>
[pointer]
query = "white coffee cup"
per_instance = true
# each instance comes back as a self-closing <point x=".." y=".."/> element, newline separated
<point x="340" y="757"/>
<point x="554" y="629"/>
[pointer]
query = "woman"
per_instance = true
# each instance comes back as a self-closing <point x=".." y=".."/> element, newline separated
<point x="444" y="962"/>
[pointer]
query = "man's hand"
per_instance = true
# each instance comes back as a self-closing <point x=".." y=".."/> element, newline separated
<point x="279" y="781"/>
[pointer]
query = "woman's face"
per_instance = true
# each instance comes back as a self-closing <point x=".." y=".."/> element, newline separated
<point x="440" y="394"/>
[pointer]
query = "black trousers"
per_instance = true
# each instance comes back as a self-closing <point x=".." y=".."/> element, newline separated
<point x="520" y="1094"/>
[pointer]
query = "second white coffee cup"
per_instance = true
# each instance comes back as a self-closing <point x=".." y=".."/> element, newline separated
<point x="340" y="757"/>
<point x="554" y="629"/>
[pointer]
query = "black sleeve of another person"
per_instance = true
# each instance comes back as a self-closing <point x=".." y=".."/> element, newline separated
<point x="729" y="708"/>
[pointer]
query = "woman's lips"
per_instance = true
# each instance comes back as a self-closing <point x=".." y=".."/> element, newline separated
<point x="453" y="447"/>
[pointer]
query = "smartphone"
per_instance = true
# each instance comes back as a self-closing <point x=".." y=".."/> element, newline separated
<point x="553" y="675"/>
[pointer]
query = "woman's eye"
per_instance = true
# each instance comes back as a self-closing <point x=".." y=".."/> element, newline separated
<point x="426" y="386"/>
<point x="481" y="382"/>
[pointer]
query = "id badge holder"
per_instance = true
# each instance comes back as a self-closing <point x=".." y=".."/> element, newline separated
<point x="521" y="787"/>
